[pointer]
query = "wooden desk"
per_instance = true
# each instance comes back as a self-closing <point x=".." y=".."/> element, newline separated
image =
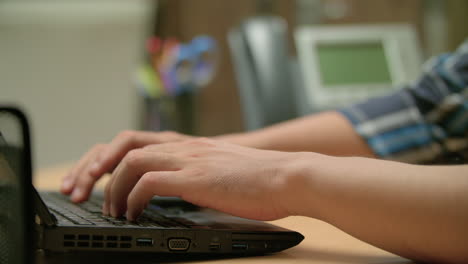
<point x="323" y="243"/>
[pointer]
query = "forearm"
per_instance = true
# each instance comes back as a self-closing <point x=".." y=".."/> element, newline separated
<point x="328" y="132"/>
<point x="420" y="212"/>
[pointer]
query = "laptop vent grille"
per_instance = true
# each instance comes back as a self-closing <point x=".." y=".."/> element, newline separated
<point x="96" y="241"/>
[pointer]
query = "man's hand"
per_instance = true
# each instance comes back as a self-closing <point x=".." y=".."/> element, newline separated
<point x="237" y="180"/>
<point x="103" y="158"/>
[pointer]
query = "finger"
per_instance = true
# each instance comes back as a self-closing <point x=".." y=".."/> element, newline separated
<point x="106" y="203"/>
<point x="132" y="167"/>
<point x="118" y="148"/>
<point x="162" y="183"/>
<point x="107" y="190"/>
<point x="105" y="209"/>
<point x="68" y="182"/>
<point x="84" y="181"/>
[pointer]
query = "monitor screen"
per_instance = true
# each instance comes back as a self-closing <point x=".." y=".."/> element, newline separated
<point x="353" y="64"/>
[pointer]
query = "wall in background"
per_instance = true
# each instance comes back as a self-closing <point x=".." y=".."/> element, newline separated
<point x="70" y="66"/>
<point x="457" y="26"/>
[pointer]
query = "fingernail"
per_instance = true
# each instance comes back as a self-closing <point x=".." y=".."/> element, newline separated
<point x="76" y="194"/>
<point x="94" y="167"/>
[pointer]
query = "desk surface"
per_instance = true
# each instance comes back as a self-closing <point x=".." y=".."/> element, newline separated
<point x="323" y="243"/>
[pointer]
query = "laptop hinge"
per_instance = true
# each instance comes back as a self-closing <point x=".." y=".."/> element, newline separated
<point x="38" y="238"/>
<point x="44" y="217"/>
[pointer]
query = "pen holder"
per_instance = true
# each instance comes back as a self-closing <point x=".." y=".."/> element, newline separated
<point x="174" y="113"/>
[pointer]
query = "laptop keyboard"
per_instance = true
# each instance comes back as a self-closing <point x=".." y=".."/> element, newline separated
<point x="90" y="213"/>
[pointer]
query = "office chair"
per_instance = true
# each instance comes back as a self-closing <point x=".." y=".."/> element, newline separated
<point x="263" y="71"/>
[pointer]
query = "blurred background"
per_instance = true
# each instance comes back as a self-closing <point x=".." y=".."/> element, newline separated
<point x="84" y="70"/>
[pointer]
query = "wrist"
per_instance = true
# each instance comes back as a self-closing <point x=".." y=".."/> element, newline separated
<point x="302" y="172"/>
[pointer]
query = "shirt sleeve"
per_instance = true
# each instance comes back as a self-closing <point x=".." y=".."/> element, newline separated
<point x="424" y="122"/>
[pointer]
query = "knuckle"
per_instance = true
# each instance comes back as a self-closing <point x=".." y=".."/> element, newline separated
<point x="94" y="176"/>
<point x="127" y="134"/>
<point x="148" y="179"/>
<point x="134" y="158"/>
<point x="99" y="146"/>
<point x="150" y="147"/>
<point x="169" y="136"/>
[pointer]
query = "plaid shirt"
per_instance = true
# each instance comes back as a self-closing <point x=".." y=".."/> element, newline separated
<point x="425" y="122"/>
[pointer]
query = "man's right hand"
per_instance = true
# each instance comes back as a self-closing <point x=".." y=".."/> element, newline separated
<point x="103" y="158"/>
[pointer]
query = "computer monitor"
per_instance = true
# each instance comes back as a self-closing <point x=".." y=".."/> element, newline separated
<point x="348" y="63"/>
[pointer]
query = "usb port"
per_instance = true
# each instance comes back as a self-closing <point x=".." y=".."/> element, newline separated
<point x="144" y="242"/>
<point x="215" y="246"/>
<point x="240" y="246"/>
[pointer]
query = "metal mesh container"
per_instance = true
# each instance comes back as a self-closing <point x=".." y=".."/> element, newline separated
<point x="15" y="182"/>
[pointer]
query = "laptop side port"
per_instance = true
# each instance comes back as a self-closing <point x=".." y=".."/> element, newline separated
<point x="214" y="246"/>
<point x="144" y="242"/>
<point x="239" y="246"/>
<point x="178" y="244"/>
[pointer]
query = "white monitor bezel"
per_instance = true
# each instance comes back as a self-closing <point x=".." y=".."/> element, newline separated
<point x="401" y="51"/>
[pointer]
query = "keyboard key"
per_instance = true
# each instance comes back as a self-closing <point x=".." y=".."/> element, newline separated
<point x="89" y="213"/>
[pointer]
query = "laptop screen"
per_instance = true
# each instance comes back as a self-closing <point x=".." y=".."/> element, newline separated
<point x="14" y="181"/>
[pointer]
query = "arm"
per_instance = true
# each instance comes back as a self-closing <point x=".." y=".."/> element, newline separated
<point x="327" y="132"/>
<point x="420" y="212"/>
<point x="423" y="122"/>
<point x="426" y="121"/>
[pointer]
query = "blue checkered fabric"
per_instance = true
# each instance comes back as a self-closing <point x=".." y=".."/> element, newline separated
<point x="424" y="122"/>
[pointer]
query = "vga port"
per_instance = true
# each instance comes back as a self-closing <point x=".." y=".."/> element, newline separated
<point x="178" y="244"/>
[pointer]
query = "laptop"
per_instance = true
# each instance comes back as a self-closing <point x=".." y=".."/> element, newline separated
<point x="167" y="225"/>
